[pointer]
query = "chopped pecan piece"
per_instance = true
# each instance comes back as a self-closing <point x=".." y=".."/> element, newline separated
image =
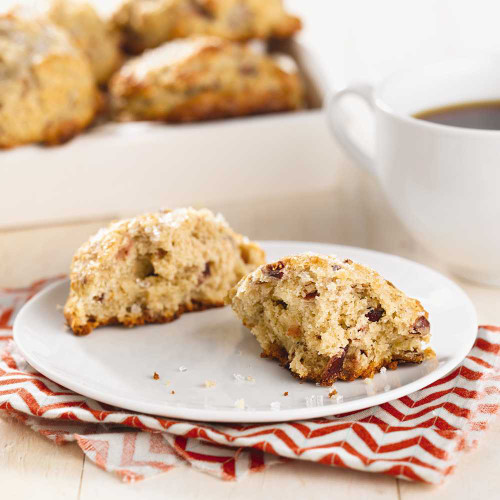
<point x="280" y="303"/>
<point x="311" y="295"/>
<point x="124" y="250"/>
<point x="207" y="271"/>
<point x="421" y="326"/>
<point x="275" y="270"/>
<point x="294" y="331"/>
<point x="201" y="8"/>
<point x="374" y="315"/>
<point x="333" y="368"/>
<point x="161" y="253"/>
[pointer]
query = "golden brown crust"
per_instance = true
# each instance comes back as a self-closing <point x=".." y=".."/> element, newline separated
<point x="144" y="319"/>
<point x="287" y="28"/>
<point x="211" y="106"/>
<point x="346" y="374"/>
<point x="47" y="91"/>
<point x="204" y="78"/>
<point x="61" y="133"/>
<point x="145" y="24"/>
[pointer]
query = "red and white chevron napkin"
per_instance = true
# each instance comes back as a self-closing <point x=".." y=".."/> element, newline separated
<point x="419" y="437"/>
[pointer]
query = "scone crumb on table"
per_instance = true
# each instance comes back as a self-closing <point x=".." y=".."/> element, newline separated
<point x="240" y="404"/>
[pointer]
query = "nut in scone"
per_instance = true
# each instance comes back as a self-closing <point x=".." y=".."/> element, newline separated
<point x="202" y="78"/>
<point x="327" y="319"/>
<point x="146" y="24"/>
<point x="154" y="267"/>
<point x="47" y="90"/>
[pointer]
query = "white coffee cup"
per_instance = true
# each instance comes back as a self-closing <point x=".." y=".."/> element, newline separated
<point x="442" y="181"/>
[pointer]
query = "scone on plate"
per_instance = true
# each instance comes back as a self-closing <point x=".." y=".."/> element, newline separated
<point x="94" y="35"/>
<point x="204" y="78"/>
<point x="152" y="268"/>
<point x="47" y="90"/>
<point x="147" y="24"/>
<point x="327" y="319"/>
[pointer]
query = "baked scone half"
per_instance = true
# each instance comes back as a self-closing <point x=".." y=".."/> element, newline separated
<point x="146" y="24"/>
<point x="152" y="268"/>
<point x="326" y="319"/>
<point x="204" y="78"/>
<point x="96" y="36"/>
<point x="47" y="90"/>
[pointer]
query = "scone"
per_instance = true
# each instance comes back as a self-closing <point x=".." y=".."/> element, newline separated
<point x="47" y="90"/>
<point x="96" y="37"/>
<point x="327" y="319"/>
<point x="203" y="78"/>
<point x="152" y="268"/>
<point x="149" y="23"/>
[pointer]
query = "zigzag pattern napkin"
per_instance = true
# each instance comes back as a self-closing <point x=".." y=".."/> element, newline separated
<point x="419" y="437"/>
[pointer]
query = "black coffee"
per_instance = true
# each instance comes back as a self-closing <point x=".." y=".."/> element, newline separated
<point x="481" y="115"/>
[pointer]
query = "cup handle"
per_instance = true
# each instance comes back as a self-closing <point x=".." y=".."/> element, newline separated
<point x="336" y="120"/>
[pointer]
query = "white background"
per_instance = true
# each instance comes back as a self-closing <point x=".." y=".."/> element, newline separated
<point x="366" y="39"/>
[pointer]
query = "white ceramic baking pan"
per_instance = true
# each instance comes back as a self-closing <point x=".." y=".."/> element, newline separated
<point x="118" y="169"/>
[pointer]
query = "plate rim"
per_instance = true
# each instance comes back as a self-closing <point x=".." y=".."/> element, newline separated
<point x="163" y="410"/>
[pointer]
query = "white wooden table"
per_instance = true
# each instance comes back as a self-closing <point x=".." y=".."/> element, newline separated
<point x="354" y="213"/>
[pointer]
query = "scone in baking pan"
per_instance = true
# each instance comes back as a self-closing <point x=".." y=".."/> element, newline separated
<point x="122" y="168"/>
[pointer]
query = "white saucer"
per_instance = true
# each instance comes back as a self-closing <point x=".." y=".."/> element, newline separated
<point x="115" y="365"/>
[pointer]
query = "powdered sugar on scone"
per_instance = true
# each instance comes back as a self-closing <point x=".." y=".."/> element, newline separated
<point x="154" y="267"/>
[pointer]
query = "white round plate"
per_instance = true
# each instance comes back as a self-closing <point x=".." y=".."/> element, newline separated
<point x="115" y="365"/>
